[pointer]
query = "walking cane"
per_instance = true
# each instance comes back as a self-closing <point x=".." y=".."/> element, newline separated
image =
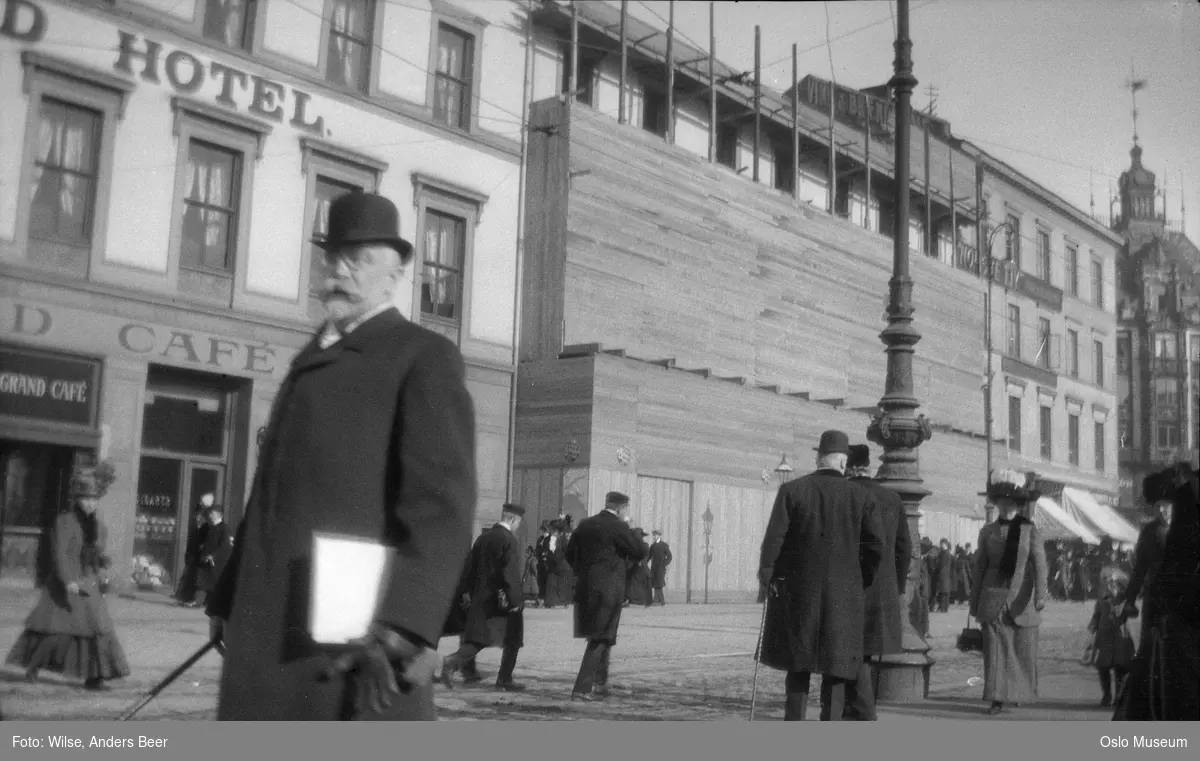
<point x="171" y="678"/>
<point x="758" y="652"/>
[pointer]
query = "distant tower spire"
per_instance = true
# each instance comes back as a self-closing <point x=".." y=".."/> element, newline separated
<point x="1092" y="191"/>
<point x="1134" y="84"/>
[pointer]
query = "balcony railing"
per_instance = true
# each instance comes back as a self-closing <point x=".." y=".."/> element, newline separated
<point x="966" y="258"/>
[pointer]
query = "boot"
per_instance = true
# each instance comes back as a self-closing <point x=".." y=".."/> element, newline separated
<point x="795" y="707"/>
<point x="509" y="686"/>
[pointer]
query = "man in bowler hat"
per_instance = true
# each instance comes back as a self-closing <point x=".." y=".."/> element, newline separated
<point x="600" y="551"/>
<point x="883" y="608"/>
<point x="822" y="547"/>
<point x="372" y="435"/>
<point x="495" y="601"/>
<point x="660" y="558"/>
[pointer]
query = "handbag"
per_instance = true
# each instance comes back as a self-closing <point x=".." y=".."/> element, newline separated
<point x="970" y="640"/>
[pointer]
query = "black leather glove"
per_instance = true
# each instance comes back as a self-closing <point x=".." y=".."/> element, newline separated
<point x="384" y="664"/>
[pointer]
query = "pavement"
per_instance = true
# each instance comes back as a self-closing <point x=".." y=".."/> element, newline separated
<point x="679" y="662"/>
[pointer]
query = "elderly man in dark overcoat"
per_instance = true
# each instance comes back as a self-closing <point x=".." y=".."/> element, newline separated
<point x="495" y="601"/>
<point x="372" y="435"/>
<point x="882" y="610"/>
<point x="821" y="551"/>
<point x="660" y="558"/>
<point x="600" y="551"/>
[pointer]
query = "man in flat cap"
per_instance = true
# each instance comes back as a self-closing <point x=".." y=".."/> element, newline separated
<point x="495" y="601"/>
<point x="882" y="609"/>
<point x="821" y="551"/>
<point x="372" y="435"/>
<point x="601" y="551"/>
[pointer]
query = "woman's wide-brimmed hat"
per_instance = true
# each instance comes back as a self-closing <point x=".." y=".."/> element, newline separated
<point x="92" y="481"/>
<point x="1011" y="484"/>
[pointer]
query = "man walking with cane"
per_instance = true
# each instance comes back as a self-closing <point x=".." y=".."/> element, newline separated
<point x="372" y="436"/>
<point x="822" y="547"/>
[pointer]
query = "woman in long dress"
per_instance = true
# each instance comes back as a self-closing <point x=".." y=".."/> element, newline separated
<point x="70" y="631"/>
<point x="1010" y="593"/>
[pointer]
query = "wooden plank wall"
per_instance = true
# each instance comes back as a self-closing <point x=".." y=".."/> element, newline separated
<point x="554" y="408"/>
<point x="739" y="521"/>
<point x="666" y="504"/>
<point x="959" y="529"/>
<point x="671" y="257"/>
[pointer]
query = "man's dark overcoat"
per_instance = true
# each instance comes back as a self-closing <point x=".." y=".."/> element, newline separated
<point x="824" y="544"/>
<point x="373" y="437"/>
<point x="495" y="565"/>
<point x="881" y="613"/>
<point x="217" y="544"/>
<point x="600" y="552"/>
<point x="660" y="558"/>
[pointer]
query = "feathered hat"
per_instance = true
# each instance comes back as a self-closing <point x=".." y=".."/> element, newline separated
<point x="1159" y="486"/>
<point x="92" y="481"/>
<point x="1011" y="484"/>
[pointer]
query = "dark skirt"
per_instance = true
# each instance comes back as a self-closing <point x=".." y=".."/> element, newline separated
<point x="558" y="589"/>
<point x="1009" y="661"/>
<point x="98" y="657"/>
<point x="637" y="590"/>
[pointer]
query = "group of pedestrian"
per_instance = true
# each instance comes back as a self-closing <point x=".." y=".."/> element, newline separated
<point x="834" y="561"/>
<point x="648" y="577"/>
<point x="556" y="581"/>
<point x="946" y="575"/>
<point x="1078" y="572"/>
<point x="209" y="544"/>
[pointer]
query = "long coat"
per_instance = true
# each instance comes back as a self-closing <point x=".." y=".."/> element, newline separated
<point x="373" y="437"/>
<point x="1029" y="581"/>
<point x="1148" y="556"/>
<point x="638" y="590"/>
<point x="660" y="558"/>
<point x="494" y="566"/>
<point x="58" y="612"/>
<point x="824" y="544"/>
<point x="186" y="589"/>
<point x="558" y="571"/>
<point x="945" y="572"/>
<point x="217" y="544"/>
<point x="881" y="611"/>
<point x="600" y="552"/>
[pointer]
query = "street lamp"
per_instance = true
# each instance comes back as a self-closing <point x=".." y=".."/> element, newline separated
<point x="903" y="677"/>
<point x="708" y="526"/>
<point x="990" y="272"/>
<point x="784" y="471"/>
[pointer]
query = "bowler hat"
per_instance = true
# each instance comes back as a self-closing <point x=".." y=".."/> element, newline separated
<point x="833" y="442"/>
<point x="364" y="218"/>
<point x="615" y="498"/>
<point x="642" y="532"/>
<point x="860" y="456"/>
<point x="514" y="509"/>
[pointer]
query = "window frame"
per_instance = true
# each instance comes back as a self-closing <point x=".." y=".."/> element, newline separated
<point x="194" y="27"/>
<point x="374" y="53"/>
<point x="434" y="194"/>
<point x="1012" y="238"/>
<point x="1073" y="439"/>
<point x="1097" y="294"/>
<point x="1099" y="376"/>
<point x="195" y="120"/>
<point x="1044" y="255"/>
<point x="1071" y="269"/>
<point x="319" y="158"/>
<point x="473" y="27"/>
<point x="1046" y="432"/>
<point x="1099" y="454"/>
<point x="1012" y="328"/>
<point x="1073" y="353"/>
<point x="249" y="31"/>
<point x="1014" y="436"/>
<point x="1044" y="339"/>
<point x="44" y="77"/>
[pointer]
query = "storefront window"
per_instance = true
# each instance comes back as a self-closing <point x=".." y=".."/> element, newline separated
<point x="35" y="482"/>
<point x="189" y="422"/>
<point x="155" y="539"/>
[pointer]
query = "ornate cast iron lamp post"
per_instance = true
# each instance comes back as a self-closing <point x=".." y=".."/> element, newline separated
<point x="898" y="429"/>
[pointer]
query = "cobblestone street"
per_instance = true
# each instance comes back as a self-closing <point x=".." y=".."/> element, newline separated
<point x="682" y="662"/>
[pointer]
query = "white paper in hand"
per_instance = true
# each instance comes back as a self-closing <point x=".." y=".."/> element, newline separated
<point x="348" y="574"/>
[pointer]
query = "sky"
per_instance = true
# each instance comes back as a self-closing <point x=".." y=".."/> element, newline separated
<point x="1041" y="84"/>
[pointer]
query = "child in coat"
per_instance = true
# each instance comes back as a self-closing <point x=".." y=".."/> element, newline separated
<point x="1114" y="644"/>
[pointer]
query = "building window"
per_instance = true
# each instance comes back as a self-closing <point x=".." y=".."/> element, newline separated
<point x="1012" y="240"/>
<point x="727" y="145"/>
<point x="1071" y="275"/>
<point x="67" y="167"/>
<point x="448" y="216"/>
<point x="1098" y="438"/>
<point x="1098" y="360"/>
<point x="1124" y="349"/>
<point x="1043" y="255"/>
<point x="217" y="154"/>
<point x="1014" y="423"/>
<point x="229" y="22"/>
<point x="331" y="171"/>
<point x="1165" y="346"/>
<point x="452" y="89"/>
<point x="1073" y="353"/>
<point x="654" y="112"/>
<point x="1043" y="348"/>
<point x="348" y="51"/>
<point x="1073" y="439"/>
<point x="1044" y="432"/>
<point x="210" y="207"/>
<point x="64" y="174"/>
<point x="1097" y="283"/>
<point x="1014" y="331"/>
<point x="1166" y="397"/>
<point x="1167" y="435"/>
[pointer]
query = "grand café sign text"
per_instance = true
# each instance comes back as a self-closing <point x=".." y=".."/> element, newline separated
<point x="25" y="21"/>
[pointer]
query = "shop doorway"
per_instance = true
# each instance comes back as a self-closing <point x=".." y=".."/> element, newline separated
<point x="187" y="435"/>
<point x="36" y="488"/>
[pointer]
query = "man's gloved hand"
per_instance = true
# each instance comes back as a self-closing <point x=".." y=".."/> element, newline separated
<point x="384" y="664"/>
<point x="502" y="599"/>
